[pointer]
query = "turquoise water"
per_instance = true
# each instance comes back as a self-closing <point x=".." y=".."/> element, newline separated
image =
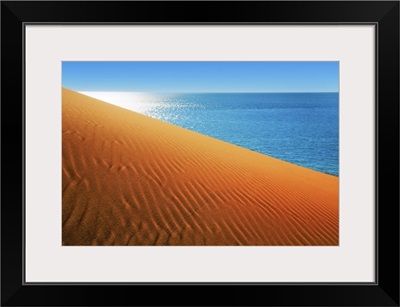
<point x="301" y="128"/>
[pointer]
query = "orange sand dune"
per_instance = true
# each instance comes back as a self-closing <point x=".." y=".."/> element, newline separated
<point x="129" y="179"/>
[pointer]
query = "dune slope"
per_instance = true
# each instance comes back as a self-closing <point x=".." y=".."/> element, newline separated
<point x="128" y="179"/>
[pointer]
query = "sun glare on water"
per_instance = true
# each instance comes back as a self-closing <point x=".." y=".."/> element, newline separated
<point x="143" y="103"/>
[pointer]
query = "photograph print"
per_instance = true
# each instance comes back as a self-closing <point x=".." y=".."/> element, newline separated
<point x="200" y="153"/>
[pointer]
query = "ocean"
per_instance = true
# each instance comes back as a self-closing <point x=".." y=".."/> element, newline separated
<point x="301" y="128"/>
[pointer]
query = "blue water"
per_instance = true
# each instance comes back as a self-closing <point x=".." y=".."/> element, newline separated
<point x="301" y="128"/>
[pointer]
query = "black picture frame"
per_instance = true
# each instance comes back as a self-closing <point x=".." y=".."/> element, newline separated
<point x="383" y="14"/>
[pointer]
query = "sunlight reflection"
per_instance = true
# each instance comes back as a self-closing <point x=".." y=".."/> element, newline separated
<point x="144" y="103"/>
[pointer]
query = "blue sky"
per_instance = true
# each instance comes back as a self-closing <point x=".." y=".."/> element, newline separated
<point x="194" y="77"/>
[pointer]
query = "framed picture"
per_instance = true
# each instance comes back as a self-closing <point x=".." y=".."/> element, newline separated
<point x="238" y="146"/>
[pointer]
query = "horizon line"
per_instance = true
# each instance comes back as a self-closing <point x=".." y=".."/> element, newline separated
<point x="204" y="92"/>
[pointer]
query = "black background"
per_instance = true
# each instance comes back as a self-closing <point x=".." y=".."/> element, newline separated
<point x="384" y="14"/>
